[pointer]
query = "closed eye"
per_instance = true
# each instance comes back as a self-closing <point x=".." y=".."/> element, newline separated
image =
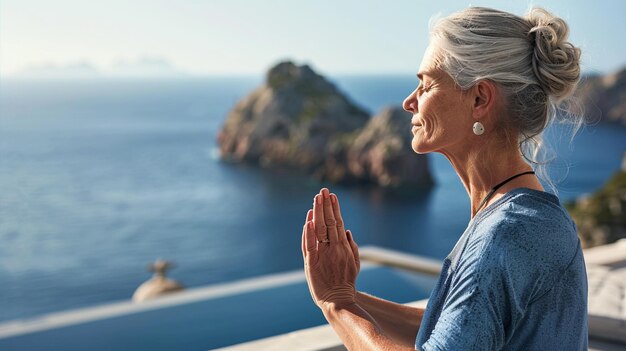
<point x="423" y="88"/>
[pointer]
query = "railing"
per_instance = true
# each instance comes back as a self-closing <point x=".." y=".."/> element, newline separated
<point x="386" y="257"/>
<point x="323" y="338"/>
<point x="370" y="256"/>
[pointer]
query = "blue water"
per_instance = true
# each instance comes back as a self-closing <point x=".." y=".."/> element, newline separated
<point x="99" y="178"/>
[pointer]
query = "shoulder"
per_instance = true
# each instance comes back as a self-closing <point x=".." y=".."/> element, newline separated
<point x="529" y="238"/>
<point x="528" y="220"/>
<point x="533" y="223"/>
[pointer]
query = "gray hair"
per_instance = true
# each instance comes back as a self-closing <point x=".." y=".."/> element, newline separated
<point x="530" y="60"/>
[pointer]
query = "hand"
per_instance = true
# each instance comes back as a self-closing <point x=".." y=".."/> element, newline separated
<point x="326" y="218"/>
<point x="330" y="255"/>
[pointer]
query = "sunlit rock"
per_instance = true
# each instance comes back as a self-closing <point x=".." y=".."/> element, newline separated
<point x="300" y="121"/>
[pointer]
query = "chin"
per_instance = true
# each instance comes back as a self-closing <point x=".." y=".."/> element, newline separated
<point x="420" y="148"/>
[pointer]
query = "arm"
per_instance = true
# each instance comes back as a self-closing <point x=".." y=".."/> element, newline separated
<point x="398" y="321"/>
<point x="358" y="330"/>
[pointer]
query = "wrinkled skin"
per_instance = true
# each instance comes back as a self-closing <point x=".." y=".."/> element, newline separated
<point x="331" y="257"/>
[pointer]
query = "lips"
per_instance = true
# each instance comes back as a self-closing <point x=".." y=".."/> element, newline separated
<point x="415" y="123"/>
<point x="415" y="126"/>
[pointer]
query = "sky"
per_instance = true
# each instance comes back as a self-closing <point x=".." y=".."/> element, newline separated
<point x="226" y="37"/>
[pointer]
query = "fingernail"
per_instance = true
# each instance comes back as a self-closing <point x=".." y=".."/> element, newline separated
<point x="325" y="192"/>
<point x="310" y="224"/>
<point x="332" y="198"/>
<point x="318" y="199"/>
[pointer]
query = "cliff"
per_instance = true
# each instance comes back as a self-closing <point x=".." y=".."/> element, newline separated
<point x="605" y="97"/>
<point x="382" y="152"/>
<point x="300" y="121"/>
<point x="601" y="217"/>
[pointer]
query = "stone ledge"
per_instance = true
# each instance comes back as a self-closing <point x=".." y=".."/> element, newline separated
<point x="320" y="338"/>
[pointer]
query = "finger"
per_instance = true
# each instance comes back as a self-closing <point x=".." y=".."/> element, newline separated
<point x="341" y="231"/>
<point x="329" y="217"/>
<point x="304" y="242"/>
<point x="318" y="218"/>
<point x="355" y="248"/>
<point x="311" y="243"/>
<point x="309" y="216"/>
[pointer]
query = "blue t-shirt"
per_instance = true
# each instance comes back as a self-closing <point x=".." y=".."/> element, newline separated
<point x="515" y="280"/>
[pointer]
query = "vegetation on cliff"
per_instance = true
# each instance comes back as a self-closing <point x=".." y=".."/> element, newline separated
<point x="601" y="217"/>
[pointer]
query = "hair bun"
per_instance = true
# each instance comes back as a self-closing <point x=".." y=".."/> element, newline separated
<point x="555" y="61"/>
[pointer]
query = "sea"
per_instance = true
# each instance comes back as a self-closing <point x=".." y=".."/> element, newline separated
<point x="100" y="177"/>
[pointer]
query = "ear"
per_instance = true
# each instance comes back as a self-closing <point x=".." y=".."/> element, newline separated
<point x="484" y="99"/>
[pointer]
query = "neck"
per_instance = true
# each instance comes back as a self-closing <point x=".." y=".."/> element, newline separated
<point x="480" y="170"/>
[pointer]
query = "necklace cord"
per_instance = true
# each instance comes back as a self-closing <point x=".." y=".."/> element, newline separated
<point x="493" y="190"/>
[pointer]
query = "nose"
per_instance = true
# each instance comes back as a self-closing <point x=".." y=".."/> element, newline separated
<point x="410" y="103"/>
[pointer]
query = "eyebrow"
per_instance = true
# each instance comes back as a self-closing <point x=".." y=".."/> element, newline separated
<point x="420" y="75"/>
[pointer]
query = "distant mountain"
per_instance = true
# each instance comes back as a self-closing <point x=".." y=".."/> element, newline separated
<point x="142" y="67"/>
<point x="605" y="96"/>
<point x="80" y="69"/>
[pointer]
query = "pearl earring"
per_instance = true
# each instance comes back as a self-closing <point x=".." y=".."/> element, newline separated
<point x="478" y="128"/>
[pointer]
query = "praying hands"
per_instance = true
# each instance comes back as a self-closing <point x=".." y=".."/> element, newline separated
<point x="331" y="257"/>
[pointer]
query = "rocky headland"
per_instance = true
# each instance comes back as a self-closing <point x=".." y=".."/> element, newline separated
<point x="298" y="120"/>
<point x="601" y="217"/>
<point x="604" y="97"/>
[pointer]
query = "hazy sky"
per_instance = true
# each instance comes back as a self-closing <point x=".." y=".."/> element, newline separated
<point x="247" y="37"/>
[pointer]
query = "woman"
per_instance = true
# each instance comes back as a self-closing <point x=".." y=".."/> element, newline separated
<point x="490" y="82"/>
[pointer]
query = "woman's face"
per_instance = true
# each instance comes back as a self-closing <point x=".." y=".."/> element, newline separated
<point x="441" y="112"/>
